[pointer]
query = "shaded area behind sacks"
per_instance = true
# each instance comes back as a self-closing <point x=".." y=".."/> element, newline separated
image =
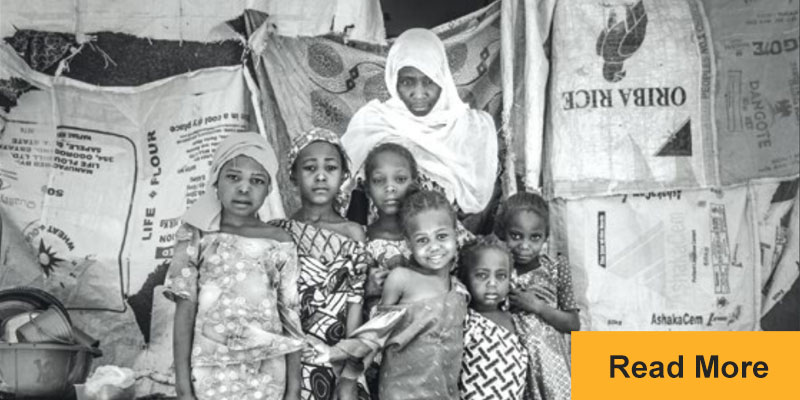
<point x="116" y="59"/>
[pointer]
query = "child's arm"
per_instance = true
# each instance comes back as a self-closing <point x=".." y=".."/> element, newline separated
<point x="393" y="287"/>
<point x="293" y="376"/>
<point x="565" y="316"/>
<point x="347" y="388"/>
<point x="182" y="338"/>
<point x="181" y="287"/>
<point x="289" y="308"/>
<point x="529" y="301"/>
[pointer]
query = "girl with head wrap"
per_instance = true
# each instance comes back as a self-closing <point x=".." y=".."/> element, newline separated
<point x="234" y="281"/>
<point x="331" y="256"/>
<point x="454" y="146"/>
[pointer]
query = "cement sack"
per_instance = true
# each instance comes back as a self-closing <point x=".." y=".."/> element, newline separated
<point x="670" y="260"/>
<point x="96" y="179"/>
<point x="778" y="216"/>
<point x="758" y="80"/>
<point x="630" y="97"/>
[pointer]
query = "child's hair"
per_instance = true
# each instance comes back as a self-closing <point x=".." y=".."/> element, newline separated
<point x="469" y="255"/>
<point x="369" y="164"/>
<point x="521" y="201"/>
<point x="422" y="201"/>
<point x="318" y="135"/>
<point x="339" y="150"/>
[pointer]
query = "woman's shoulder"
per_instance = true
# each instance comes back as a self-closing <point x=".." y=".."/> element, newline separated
<point x="481" y="116"/>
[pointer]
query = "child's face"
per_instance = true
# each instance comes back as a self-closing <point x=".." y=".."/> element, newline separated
<point x="432" y="239"/>
<point x="318" y="172"/>
<point x="389" y="182"/>
<point x="417" y="91"/>
<point x="526" y="233"/>
<point x="488" y="279"/>
<point x="242" y="186"/>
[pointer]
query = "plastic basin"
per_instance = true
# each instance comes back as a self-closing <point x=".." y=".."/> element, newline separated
<point x="42" y="369"/>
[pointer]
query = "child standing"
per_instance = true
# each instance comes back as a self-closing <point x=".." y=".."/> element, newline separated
<point x="541" y="296"/>
<point x="331" y="256"/>
<point x="495" y="363"/>
<point x="390" y="175"/>
<point x="419" y="322"/>
<point x="233" y="278"/>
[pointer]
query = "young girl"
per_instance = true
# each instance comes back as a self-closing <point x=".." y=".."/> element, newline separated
<point x="332" y="259"/>
<point x="390" y="174"/>
<point x="420" y="319"/>
<point x="541" y="296"/>
<point x="495" y="363"/>
<point x="234" y="281"/>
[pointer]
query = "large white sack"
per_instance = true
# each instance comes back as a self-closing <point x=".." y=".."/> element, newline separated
<point x="630" y="97"/>
<point x="672" y="260"/>
<point x="97" y="178"/>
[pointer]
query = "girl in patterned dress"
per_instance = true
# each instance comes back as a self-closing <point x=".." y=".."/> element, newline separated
<point x="419" y="322"/>
<point x="391" y="174"/>
<point x="541" y="297"/>
<point x="234" y="281"/>
<point x="495" y="362"/>
<point x="333" y="264"/>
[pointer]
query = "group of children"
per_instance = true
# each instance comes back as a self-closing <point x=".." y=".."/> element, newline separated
<point x="307" y="307"/>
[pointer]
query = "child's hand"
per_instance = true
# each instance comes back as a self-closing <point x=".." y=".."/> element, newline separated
<point x="527" y="300"/>
<point x="375" y="280"/>
<point x="322" y="354"/>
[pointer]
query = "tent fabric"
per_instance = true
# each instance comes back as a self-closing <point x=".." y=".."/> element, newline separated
<point x="525" y="30"/>
<point x="203" y="21"/>
<point x="319" y="82"/>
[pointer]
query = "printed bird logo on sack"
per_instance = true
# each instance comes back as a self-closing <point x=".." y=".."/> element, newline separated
<point x="620" y="39"/>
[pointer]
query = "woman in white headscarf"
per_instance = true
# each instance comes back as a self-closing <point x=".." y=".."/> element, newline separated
<point x="455" y="147"/>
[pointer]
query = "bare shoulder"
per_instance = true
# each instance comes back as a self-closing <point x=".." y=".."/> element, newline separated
<point x="277" y="234"/>
<point x="357" y="231"/>
<point x="263" y="230"/>
<point x="351" y="229"/>
<point x="398" y="276"/>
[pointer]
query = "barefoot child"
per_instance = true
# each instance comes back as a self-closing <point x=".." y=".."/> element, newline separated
<point x="419" y="322"/>
<point x="234" y="281"/>
<point x="495" y="363"/>
<point x="541" y="297"/>
<point x="332" y="259"/>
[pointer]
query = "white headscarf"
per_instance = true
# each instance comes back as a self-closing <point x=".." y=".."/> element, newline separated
<point x="205" y="214"/>
<point x="454" y="145"/>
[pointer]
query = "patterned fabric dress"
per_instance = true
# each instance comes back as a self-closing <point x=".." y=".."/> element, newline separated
<point x="549" y="351"/>
<point x="495" y="363"/>
<point x="422" y="358"/>
<point x="247" y="311"/>
<point x="332" y="275"/>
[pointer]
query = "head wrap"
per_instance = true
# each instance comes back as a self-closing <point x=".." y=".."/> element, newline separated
<point x="454" y="145"/>
<point x="205" y="214"/>
<point x="317" y="135"/>
<point x="300" y="142"/>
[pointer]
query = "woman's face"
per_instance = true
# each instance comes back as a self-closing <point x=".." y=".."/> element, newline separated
<point x="417" y="91"/>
